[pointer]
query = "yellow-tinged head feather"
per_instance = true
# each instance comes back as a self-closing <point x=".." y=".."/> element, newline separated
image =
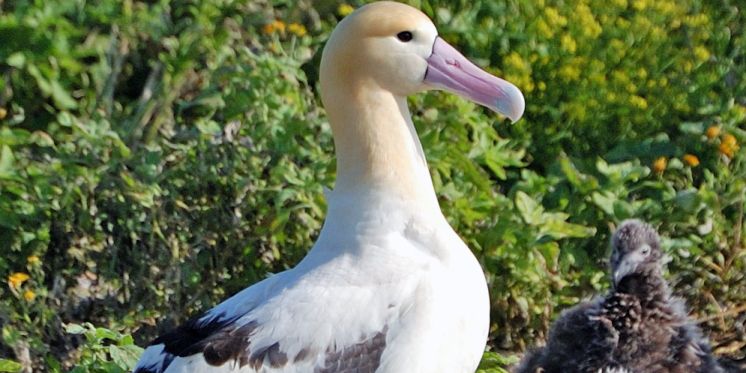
<point x="364" y="48"/>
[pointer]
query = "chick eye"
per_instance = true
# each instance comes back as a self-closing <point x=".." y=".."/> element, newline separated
<point x="404" y="36"/>
<point x="645" y="250"/>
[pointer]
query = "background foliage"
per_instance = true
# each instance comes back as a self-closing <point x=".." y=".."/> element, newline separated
<point x="158" y="156"/>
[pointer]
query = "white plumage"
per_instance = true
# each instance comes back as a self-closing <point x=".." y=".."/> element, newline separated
<point x="408" y="273"/>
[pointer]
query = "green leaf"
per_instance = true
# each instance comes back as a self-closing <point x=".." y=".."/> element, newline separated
<point x="42" y="139"/>
<point x="65" y="119"/>
<point x="558" y="229"/>
<point x="111" y="367"/>
<point x="75" y="329"/>
<point x="493" y="362"/>
<point x="125" y="356"/>
<point x="209" y="127"/>
<point x="584" y="183"/>
<point x="10" y="366"/>
<point x="61" y="98"/>
<point x="688" y="200"/>
<point x="604" y="200"/>
<point x="692" y="128"/>
<point x="7" y="162"/>
<point x="53" y="88"/>
<point x="16" y="60"/>
<point x="530" y="210"/>
<point x="53" y="365"/>
<point x="103" y="333"/>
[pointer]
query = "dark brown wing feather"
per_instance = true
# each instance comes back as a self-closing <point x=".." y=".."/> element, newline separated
<point x="362" y="357"/>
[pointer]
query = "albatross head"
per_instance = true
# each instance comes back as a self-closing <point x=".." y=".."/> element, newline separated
<point x="635" y="249"/>
<point x="397" y="48"/>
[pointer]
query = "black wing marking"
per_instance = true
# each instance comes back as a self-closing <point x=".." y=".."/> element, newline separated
<point x="362" y="357"/>
<point x="185" y="339"/>
<point x="219" y="340"/>
<point x="230" y="343"/>
<point x="271" y="354"/>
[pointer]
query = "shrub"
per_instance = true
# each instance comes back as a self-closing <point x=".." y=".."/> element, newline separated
<point x="156" y="157"/>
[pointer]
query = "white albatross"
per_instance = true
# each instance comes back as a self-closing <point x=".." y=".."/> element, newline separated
<point x="388" y="286"/>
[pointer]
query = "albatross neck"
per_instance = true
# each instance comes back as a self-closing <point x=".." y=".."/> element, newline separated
<point x="377" y="148"/>
<point x="649" y="286"/>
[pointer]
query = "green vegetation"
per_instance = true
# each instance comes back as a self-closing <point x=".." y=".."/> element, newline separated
<point x="156" y="157"/>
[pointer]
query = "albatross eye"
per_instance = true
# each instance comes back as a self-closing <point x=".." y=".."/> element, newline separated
<point x="404" y="36"/>
<point x="645" y="250"/>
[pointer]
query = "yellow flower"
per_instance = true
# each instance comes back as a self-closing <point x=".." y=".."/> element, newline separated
<point x="726" y="150"/>
<point x="638" y="102"/>
<point x="29" y="295"/>
<point x="691" y="160"/>
<point x="728" y="145"/>
<point x="701" y="53"/>
<point x="666" y="7"/>
<point x="17" y="279"/>
<point x="658" y="33"/>
<point x="640" y="4"/>
<point x="544" y="29"/>
<point x="297" y="29"/>
<point x="659" y="165"/>
<point x="519" y="70"/>
<point x="688" y="66"/>
<point x="33" y="260"/>
<point x="274" y="26"/>
<point x="569" y="72"/>
<point x="577" y="111"/>
<point x="587" y="21"/>
<point x="345" y="9"/>
<point x="554" y="18"/>
<point x="516" y="62"/>
<point x="3" y="113"/>
<point x="712" y="132"/>
<point x="568" y="43"/>
<point x="696" y="20"/>
<point x="730" y="140"/>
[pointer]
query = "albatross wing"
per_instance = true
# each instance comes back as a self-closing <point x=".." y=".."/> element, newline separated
<point x="357" y="312"/>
